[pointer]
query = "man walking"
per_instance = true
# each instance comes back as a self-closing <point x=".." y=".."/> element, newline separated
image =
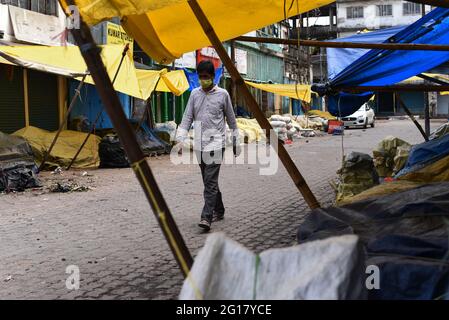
<point x="207" y="109"/>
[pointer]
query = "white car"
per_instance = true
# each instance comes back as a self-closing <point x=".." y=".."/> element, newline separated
<point x="363" y="117"/>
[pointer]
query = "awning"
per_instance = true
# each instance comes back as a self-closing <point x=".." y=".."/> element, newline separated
<point x="165" y="29"/>
<point x="300" y="92"/>
<point x="387" y="67"/>
<point x="67" y="61"/>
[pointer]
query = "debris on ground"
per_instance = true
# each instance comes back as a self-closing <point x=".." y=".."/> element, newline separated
<point x="68" y="187"/>
<point x="58" y="170"/>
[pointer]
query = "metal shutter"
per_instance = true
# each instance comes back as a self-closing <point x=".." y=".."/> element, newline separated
<point x="12" y="109"/>
<point x="43" y="100"/>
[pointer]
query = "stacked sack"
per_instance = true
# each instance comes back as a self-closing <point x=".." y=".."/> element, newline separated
<point x="356" y="175"/>
<point x="249" y="130"/>
<point x="390" y="156"/>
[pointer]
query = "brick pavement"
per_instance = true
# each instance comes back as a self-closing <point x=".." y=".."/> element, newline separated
<point x="111" y="235"/>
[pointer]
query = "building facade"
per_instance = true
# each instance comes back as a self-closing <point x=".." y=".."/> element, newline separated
<point x="355" y="16"/>
<point x="29" y="97"/>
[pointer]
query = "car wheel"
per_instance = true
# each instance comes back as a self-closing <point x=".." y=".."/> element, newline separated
<point x="373" y="124"/>
<point x="366" y="124"/>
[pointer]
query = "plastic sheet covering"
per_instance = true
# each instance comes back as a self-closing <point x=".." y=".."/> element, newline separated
<point x="433" y="172"/>
<point x="440" y="131"/>
<point x="65" y="148"/>
<point x="322" y="114"/>
<point x="250" y="130"/>
<point x="67" y="61"/>
<point x="380" y="190"/>
<point x="404" y="234"/>
<point x="295" y="91"/>
<point x="390" y="156"/>
<point x="165" y="29"/>
<point x="425" y="154"/>
<point x="224" y="270"/>
<point x="112" y="154"/>
<point x="356" y="175"/>
<point x="18" y="171"/>
<point x="387" y="67"/>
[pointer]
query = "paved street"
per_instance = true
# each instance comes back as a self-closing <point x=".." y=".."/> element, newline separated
<point x="111" y="235"/>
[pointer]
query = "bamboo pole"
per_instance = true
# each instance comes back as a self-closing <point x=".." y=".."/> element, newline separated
<point x="63" y="122"/>
<point x="97" y="118"/>
<point x="345" y="44"/>
<point x="410" y="115"/>
<point x="393" y="88"/>
<point x="91" y="55"/>
<point x="254" y="107"/>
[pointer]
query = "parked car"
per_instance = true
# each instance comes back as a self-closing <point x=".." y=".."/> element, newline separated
<point x="363" y="117"/>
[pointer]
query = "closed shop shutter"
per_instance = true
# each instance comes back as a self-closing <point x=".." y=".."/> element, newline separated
<point x="12" y="110"/>
<point x="43" y="100"/>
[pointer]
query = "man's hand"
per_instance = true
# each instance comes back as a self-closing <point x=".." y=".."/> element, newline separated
<point x="236" y="149"/>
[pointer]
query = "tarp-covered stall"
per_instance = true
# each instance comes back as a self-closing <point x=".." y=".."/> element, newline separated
<point x="165" y="29"/>
<point x="64" y="149"/>
<point x="404" y="234"/>
<point x="387" y="67"/>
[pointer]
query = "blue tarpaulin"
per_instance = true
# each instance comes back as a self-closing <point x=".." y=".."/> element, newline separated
<point x="387" y="67"/>
<point x="426" y="153"/>
<point x="339" y="58"/>
<point x="194" y="82"/>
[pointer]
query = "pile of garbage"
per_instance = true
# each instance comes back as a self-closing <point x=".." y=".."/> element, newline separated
<point x="18" y="170"/>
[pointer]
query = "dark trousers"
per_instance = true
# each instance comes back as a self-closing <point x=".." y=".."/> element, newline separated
<point x="210" y="163"/>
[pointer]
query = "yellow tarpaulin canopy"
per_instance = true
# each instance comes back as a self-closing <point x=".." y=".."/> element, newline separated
<point x="165" y="29"/>
<point x="68" y="144"/>
<point x="68" y="61"/>
<point x="301" y="92"/>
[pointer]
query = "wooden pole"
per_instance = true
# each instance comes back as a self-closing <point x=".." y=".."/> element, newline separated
<point x="63" y="122"/>
<point x="97" y="118"/>
<point x="254" y="107"/>
<point x="91" y="55"/>
<point x="337" y="44"/>
<point x="410" y="115"/>
<point x="26" y="97"/>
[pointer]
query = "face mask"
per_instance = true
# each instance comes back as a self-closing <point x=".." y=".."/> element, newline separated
<point x="206" y="83"/>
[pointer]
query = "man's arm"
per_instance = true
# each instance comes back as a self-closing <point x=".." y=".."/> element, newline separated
<point x="232" y="122"/>
<point x="186" y="123"/>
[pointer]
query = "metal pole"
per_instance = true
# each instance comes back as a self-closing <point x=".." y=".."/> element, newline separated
<point x="410" y="115"/>
<point x="332" y="44"/>
<point x="254" y="107"/>
<point x="91" y="55"/>
<point x="97" y="118"/>
<point x="63" y="122"/>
